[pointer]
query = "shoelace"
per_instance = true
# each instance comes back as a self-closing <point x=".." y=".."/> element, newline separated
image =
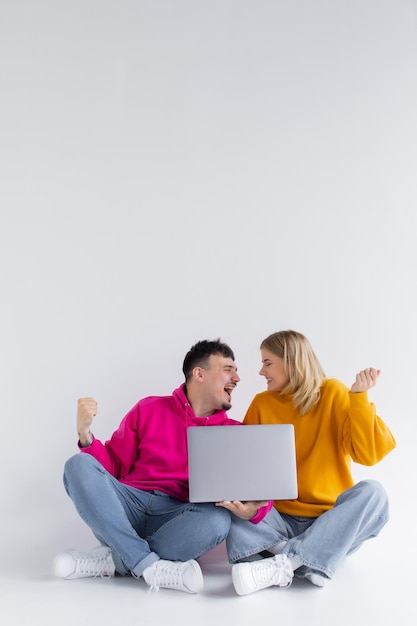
<point x="167" y="575"/>
<point x="275" y="572"/>
<point x="94" y="566"/>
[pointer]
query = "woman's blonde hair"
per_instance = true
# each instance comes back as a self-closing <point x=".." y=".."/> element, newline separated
<point x="304" y="370"/>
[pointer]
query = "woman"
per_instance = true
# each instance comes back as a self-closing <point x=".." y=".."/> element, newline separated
<point x="309" y="537"/>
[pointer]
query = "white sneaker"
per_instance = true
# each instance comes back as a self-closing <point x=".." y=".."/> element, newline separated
<point x="183" y="576"/>
<point x="315" y="579"/>
<point x="74" y="564"/>
<point x="250" y="577"/>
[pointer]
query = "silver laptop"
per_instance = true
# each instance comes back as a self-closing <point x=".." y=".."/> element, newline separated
<point x="242" y="463"/>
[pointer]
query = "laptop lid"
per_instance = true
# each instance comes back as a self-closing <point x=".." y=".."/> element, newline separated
<point x="254" y="462"/>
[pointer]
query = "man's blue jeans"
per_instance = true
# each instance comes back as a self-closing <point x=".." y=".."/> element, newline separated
<point x="320" y="543"/>
<point x="139" y="526"/>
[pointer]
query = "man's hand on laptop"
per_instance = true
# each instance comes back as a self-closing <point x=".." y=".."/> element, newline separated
<point x="244" y="510"/>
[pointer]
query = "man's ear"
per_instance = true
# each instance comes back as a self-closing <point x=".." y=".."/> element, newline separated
<point x="198" y="374"/>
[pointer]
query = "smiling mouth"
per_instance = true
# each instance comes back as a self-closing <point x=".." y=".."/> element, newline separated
<point x="229" y="390"/>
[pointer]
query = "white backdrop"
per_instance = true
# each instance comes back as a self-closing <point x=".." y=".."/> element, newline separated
<point x="179" y="170"/>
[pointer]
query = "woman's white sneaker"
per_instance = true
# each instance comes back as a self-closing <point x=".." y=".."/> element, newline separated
<point x="75" y="564"/>
<point x="316" y="579"/>
<point x="251" y="577"/>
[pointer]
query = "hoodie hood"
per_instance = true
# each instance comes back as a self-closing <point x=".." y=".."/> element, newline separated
<point x="217" y="418"/>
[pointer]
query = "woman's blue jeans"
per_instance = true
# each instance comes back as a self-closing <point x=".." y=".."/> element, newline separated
<point x="320" y="543"/>
<point x="139" y="526"/>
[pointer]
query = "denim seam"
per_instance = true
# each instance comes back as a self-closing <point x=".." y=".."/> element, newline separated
<point x="310" y="564"/>
<point x="252" y="552"/>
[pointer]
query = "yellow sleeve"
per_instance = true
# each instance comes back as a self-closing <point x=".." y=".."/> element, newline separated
<point x="365" y="436"/>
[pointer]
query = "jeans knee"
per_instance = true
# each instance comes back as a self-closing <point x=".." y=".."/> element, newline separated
<point x="376" y="495"/>
<point x="223" y="520"/>
<point x="219" y="522"/>
<point x="75" y="468"/>
<point x="74" y="463"/>
<point x="70" y="467"/>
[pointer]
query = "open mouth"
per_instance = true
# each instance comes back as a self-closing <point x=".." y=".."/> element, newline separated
<point x="229" y="390"/>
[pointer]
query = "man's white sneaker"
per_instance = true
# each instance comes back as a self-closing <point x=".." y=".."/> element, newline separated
<point x="183" y="576"/>
<point x="74" y="564"/>
<point x="250" y="577"/>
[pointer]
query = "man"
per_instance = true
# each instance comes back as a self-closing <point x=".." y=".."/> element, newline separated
<point x="132" y="491"/>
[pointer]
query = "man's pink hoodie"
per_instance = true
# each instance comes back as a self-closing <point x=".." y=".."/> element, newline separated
<point x="149" y="449"/>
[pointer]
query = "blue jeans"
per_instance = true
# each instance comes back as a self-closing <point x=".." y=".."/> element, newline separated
<point x="320" y="543"/>
<point x="139" y="526"/>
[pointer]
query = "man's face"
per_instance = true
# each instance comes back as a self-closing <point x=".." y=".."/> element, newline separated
<point x="220" y="378"/>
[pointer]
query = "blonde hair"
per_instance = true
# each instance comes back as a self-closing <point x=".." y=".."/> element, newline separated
<point x="304" y="370"/>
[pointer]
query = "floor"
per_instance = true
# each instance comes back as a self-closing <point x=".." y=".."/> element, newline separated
<point x="370" y="588"/>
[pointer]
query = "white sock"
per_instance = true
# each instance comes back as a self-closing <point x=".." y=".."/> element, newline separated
<point x="295" y="562"/>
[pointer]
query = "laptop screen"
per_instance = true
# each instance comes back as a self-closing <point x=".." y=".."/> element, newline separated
<point x="254" y="462"/>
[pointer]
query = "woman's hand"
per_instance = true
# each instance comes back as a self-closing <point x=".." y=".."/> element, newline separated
<point x="365" y="380"/>
<point x="244" y="510"/>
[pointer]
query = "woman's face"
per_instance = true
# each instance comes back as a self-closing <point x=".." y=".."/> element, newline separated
<point x="273" y="371"/>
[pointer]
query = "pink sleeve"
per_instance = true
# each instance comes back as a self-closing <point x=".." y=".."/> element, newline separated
<point x="261" y="513"/>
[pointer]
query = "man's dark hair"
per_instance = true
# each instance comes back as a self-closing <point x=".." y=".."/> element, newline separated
<point x="199" y="354"/>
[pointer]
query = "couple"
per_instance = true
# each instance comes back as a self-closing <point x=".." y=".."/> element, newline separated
<point x="132" y="491"/>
